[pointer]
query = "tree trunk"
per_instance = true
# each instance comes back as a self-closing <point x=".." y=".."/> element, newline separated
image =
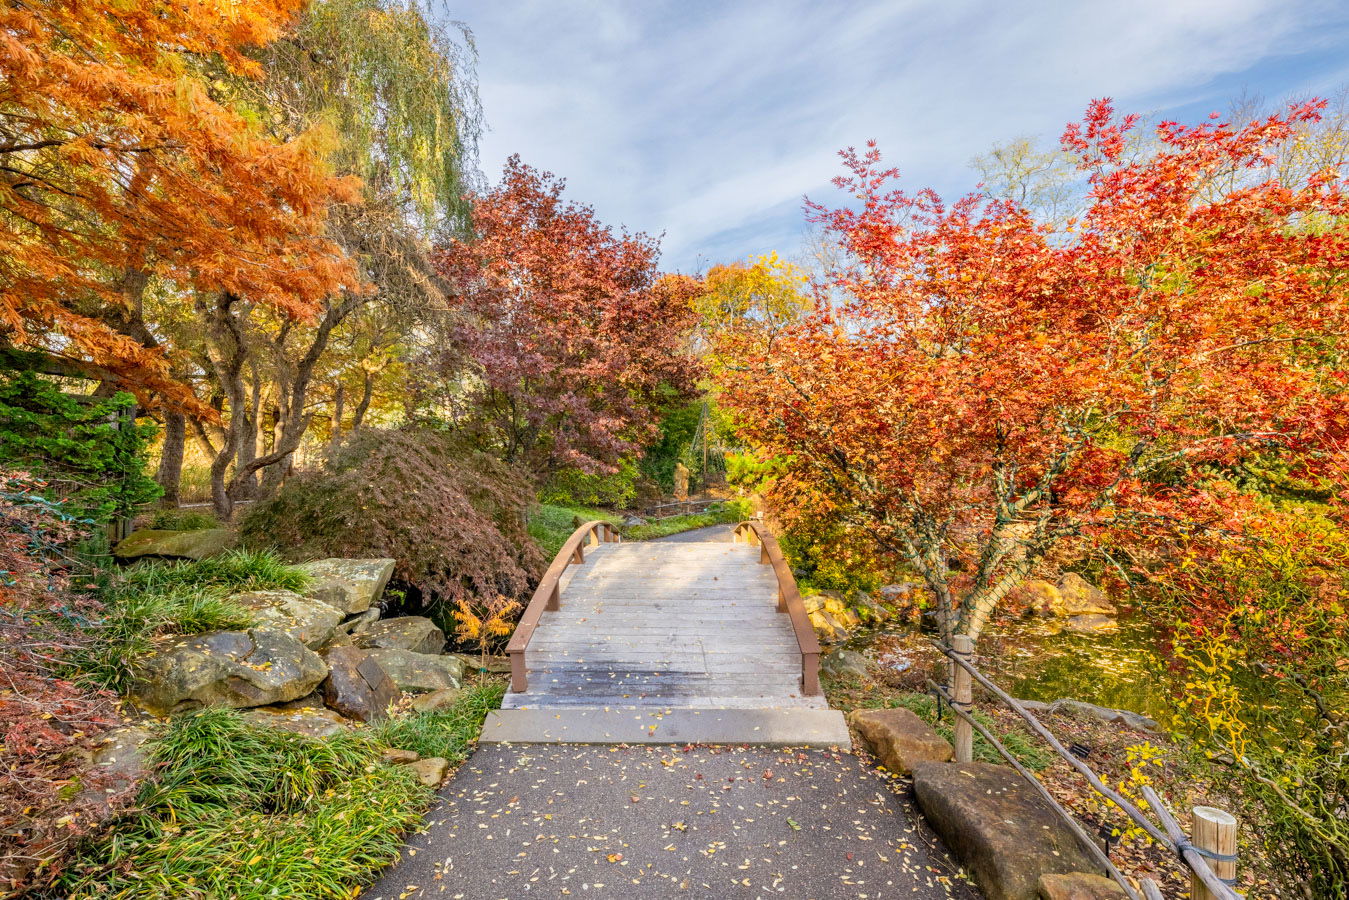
<point x="339" y="399"/>
<point x="170" y="474"/>
<point x="367" y="390"/>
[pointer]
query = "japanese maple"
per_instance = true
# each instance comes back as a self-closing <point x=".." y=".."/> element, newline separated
<point x="978" y="390"/>
<point x="572" y="337"/>
<point x="119" y="161"/>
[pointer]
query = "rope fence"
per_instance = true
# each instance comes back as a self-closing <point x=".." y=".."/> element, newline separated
<point x="1209" y="853"/>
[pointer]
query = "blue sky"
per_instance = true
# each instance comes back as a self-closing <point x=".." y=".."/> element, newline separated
<point x="709" y="121"/>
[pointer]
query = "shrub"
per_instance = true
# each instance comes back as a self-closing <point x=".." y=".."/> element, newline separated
<point x="452" y="517"/>
<point x="43" y="717"/>
<point x="88" y="451"/>
<point x="573" y="487"/>
<point x="183" y="520"/>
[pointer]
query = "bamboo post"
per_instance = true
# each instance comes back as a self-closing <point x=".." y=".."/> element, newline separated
<point x="1214" y="833"/>
<point x="962" y="696"/>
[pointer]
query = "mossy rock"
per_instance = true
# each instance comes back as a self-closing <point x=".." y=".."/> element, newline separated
<point x="152" y="542"/>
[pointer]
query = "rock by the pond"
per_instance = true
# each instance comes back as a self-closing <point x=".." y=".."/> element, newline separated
<point x="257" y="667"/>
<point x="1091" y="624"/>
<point x="899" y="738"/>
<point x="430" y="771"/>
<point x="844" y="664"/>
<point x="1105" y="714"/>
<point x="175" y="544"/>
<point x="357" y="686"/>
<point x="999" y="828"/>
<point x="1082" y="598"/>
<point x="1079" y="886"/>
<point x="308" y="721"/>
<point x="351" y="585"/>
<point x="436" y="700"/>
<point x="416" y="633"/>
<point x="632" y="521"/>
<point x="307" y="620"/>
<point x="1039" y="596"/>
<point x="420" y="671"/>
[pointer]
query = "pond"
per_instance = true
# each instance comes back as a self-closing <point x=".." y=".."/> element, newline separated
<point x="1121" y="669"/>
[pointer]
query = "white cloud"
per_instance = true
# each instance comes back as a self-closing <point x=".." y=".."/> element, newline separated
<point x="708" y="121"/>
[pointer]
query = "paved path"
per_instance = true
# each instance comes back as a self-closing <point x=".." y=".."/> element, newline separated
<point x="520" y="821"/>
<point x="720" y="533"/>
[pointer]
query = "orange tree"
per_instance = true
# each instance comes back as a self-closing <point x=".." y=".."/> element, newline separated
<point x="117" y="163"/>
<point x="977" y="390"/>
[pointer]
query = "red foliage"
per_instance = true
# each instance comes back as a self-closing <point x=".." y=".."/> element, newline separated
<point x="988" y="388"/>
<point x="571" y="332"/>
<point x="44" y="719"/>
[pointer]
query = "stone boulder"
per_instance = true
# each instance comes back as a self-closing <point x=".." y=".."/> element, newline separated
<point x="1038" y="596"/>
<point x="357" y="685"/>
<point x="1082" y="598"/>
<point x="415" y="633"/>
<point x="257" y="667"/>
<point x="420" y="671"/>
<point x="430" y="771"/>
<point x="496" y="664"/>
<point x="120" y="762"/>
<point x="436" y="700"/>
<point x="350" y="585"/>
<point x="1079" y="886"/>
<point x="1091" y="624"/>
<point x="155" y="542"/>
<point x="307" y="620"/>
<point x="844" y="664"/>
<point x="309" y="721"/>
<point x="999" y="828"/>
<point x="899" y="738"/>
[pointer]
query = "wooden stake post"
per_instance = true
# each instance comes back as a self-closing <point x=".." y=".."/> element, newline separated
<point x="1214" y="832"/>
<point x="962" y="694"/>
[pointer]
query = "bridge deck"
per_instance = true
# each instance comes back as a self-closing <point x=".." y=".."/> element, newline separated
<point x="668" y="625"/>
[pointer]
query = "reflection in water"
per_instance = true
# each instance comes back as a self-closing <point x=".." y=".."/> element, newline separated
<point x="1121" y="669"/>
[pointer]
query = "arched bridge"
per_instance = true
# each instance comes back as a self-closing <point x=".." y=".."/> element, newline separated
<point x="666" y="642"/>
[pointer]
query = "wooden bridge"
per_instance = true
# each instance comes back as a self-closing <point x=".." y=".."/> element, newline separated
<point x="666" y="642"/>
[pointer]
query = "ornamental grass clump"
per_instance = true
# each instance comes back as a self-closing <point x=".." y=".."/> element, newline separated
<point x="249" y="812"/>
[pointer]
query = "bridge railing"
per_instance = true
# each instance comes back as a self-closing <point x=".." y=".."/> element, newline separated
<point x="789" y="602"/>
<point x="1215" y="831"/>
<point x="548" y="595"/>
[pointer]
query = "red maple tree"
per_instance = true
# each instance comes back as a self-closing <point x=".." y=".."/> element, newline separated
<point x="573" y="337"/>
<point x="978" y="389"/>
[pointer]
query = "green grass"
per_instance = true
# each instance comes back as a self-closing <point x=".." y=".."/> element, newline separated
<point x="247" y="812"/>
<point x="151" y="598"/>
<point x="550" y="525"/>
<point x="183" y="520"/>
<point x="721" y="514"/>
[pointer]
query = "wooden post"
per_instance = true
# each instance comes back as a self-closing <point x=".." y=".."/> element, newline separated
<point x="962" y="695"/>
<point x="1215" y="834"/>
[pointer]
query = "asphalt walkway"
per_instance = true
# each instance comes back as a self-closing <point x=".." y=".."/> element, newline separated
<point x="520" y="821"/>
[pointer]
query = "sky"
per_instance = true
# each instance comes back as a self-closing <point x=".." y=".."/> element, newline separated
<point x="708" y="123"/>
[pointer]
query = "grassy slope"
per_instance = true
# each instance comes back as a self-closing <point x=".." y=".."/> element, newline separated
<point x="247" y="812"/>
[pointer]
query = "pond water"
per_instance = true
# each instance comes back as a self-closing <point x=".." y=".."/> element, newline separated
<point x="1121" y="669"/>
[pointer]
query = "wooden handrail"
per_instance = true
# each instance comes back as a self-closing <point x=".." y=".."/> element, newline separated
<point x="548" y="595"/>
<point x="789" y="601"/>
